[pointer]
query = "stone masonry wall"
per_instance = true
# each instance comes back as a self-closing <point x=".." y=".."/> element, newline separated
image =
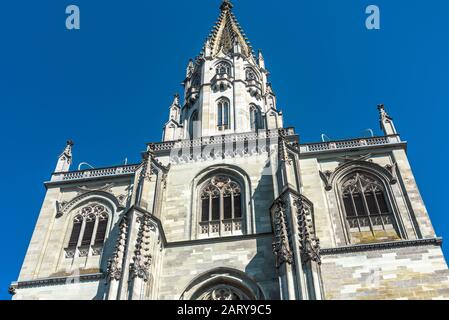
<point x="401" y="273"/>
<point x="252" y="256"/>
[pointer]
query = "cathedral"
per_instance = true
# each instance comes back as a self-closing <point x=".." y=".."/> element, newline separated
<point x="232" y="206"/>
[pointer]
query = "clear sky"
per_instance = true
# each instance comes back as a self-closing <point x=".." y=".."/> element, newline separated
<point x="108" y="85"/>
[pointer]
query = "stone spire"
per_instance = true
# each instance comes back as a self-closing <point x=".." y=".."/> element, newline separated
<point x="65" y="159"/>
<point x="386" y="122"/>
<point x="261" y="60"/>
<point x="226" y="34"/>
<point x="173" y="128"/>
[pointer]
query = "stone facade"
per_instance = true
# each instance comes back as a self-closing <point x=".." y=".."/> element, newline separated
<point x="232" y="206"/>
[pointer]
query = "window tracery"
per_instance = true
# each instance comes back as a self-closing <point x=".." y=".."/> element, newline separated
<point x="223" y="293"/>
<point x="88" y="231"/>
<point x="221" y="207"/>
<point x="367" y="207"/>
<point x="223" y="68"/>
<point x="250" y="74"/>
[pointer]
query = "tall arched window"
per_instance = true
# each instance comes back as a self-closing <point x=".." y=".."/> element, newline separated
<point x="221" y="206"/>
<point x="223" y="114"/>
<point x="255" y="118"/>
<point x="369" y="214"/>
<point x="89" y="230"/>
<point x="193" y="125"/>
<point x="223" y="68"/>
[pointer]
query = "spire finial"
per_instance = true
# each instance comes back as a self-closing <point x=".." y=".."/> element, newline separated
<point x="383" y="113"/>
<point x="70" y="143"/>
<point x="386" y="122"/>
<point x="176" y="99"/>
<point x="65" y="159"/>
<point x="226" y="5"/>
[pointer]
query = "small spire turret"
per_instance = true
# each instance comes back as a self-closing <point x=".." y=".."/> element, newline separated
<point x="65" y="159"/>
<point x="261" y="60"/>
<point x="386" y="122"/>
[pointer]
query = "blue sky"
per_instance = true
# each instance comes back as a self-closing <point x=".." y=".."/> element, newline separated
<point x="108" y="86"/>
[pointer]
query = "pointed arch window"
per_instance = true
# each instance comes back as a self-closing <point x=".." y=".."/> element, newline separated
<point x="250" y="74"/>
<point x="221" y="207"/>
<point x="88" y="231"/>
<point x="255" y="118"/>
<point x="369" y="213"/>
<point x="223" y="68"/>
<point x="193" y="125"/>
<point x="223" y="115"/>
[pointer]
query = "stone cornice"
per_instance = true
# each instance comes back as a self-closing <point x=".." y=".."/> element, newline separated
<point x="382" y="246"/>
<point x="54" y="281"/>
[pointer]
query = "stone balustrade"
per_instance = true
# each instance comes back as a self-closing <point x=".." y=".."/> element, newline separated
<point x="94" y="173"/>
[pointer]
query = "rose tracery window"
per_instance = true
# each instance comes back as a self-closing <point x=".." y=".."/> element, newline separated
<point x="221" y="207"/>
<point x="367" y="207"/>
<point x="88" y="231"/>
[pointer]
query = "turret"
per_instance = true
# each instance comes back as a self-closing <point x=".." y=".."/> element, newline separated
<point x="173" y="128"/>
<point x="261" y="60"/>
<point x="386" y="122"/>
<point x="65" y="159"/>
<point x="175" y="109"/>
<point x="189" y="70"/>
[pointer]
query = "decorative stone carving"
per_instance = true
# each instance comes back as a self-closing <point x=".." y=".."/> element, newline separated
<point x="70" y="253"/>
<point x="83" y="251"/>
<point x="351" y="158"/>
<point x="140" y="266"/>
<point x="12" y="290"/>
<point x="326" y="177"/>
<point x="281" y="245"/>
<point x="392" y="169"/>
<point x="151" y="167"/>
<point x="114" y="271"/>
<point x="389" y="171"/>
<point x="283" y="152"/>
<point x="84" y="189"/>
<point x="222" y="293"/>
<point x="122" y="199"/>
<point x="384" y="116"/>
<point x="309" y="244"/>
<point x="64" y="207"/>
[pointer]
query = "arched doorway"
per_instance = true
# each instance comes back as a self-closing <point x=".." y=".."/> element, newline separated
<point x="223" y="284"/>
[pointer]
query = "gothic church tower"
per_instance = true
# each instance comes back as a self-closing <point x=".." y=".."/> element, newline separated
<point x="231" y="206"/>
